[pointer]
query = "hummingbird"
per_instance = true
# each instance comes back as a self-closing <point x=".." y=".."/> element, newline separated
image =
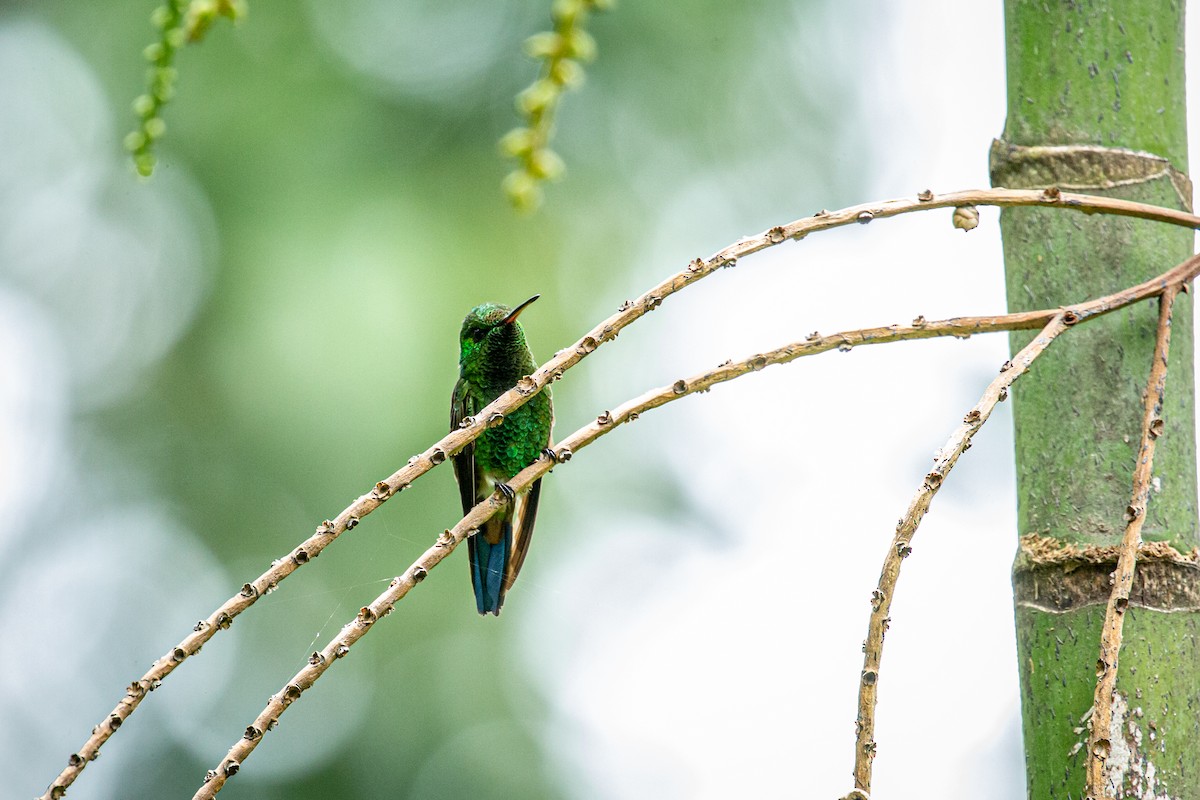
<point x="493" y="357"/>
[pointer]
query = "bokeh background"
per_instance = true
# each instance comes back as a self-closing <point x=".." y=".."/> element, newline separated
<point x="197" y="369"/>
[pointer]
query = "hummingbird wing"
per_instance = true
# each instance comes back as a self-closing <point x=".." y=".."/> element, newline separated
<point x="488" y="548"/>
<point x="524" y="517"/>
<point x="461" y="407"/>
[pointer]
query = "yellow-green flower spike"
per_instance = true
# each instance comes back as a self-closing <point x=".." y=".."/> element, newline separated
<point x="561" y="52"/>
<point x="178" y="22"/>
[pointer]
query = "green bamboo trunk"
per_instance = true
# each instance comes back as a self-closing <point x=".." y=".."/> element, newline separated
<point x="1096" y="104"/>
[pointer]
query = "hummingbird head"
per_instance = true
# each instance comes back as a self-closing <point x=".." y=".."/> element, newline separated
<point x="491" y="327"/>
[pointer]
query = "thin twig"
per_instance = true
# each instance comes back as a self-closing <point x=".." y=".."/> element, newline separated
<point x="552" y="370"/>
<point x="629" y="411"/>
<point x="901" y="547"/>
<point x="960" y="440"/>
<point x="1099" y="744"/>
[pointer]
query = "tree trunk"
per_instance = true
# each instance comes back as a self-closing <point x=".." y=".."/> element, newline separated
<point x="1096" y="103"/>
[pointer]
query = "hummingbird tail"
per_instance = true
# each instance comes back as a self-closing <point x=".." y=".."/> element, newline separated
<point x="489" y="563"/>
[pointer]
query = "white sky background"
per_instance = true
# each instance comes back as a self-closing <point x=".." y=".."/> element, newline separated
<point x="716" y="657"/>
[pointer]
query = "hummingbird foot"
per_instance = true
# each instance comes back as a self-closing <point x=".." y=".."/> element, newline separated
<point x="549" y="453"/>
<point x="506" y="490"/>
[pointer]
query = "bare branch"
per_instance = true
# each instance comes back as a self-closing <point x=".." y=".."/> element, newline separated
<point x="881" y="600"/>
<point x="1099" y="745"/>
<point x="552" y="370"/>
<point x="901" y="547"/>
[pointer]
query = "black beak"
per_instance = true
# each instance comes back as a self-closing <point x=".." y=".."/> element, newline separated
<point x="512" y="315"/>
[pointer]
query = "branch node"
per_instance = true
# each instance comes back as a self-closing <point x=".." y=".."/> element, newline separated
<point x="876" y="600"/>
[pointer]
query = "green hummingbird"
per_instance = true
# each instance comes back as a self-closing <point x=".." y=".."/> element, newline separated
<point x="493" y="356"/>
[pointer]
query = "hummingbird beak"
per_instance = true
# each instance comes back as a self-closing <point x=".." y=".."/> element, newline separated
<point x="512" y="315"/>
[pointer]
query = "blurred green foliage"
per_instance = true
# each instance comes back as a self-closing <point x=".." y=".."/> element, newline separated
<point x="358" y="218"/>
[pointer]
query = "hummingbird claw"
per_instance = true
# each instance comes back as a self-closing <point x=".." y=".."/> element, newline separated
<point x="506" y="490"/>
<point x="549" y="453"/>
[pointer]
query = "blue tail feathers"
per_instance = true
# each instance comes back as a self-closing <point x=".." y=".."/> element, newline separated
<point x="489" y="564"/>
